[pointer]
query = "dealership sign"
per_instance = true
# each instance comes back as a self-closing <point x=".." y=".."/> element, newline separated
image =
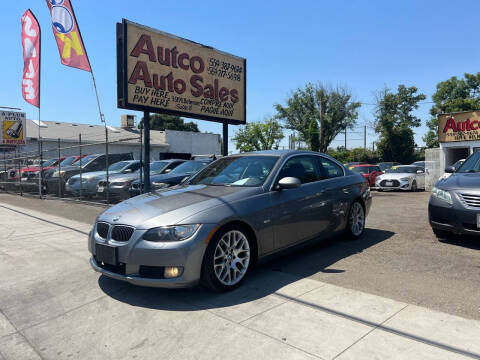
<point x="459" y="126"/>
<point x="13" y="127"/>
<point x="160" y="72"/>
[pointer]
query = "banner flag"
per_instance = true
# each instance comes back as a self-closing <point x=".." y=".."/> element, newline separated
<point x="67" y="34"/>
<point x="31" y="59"/>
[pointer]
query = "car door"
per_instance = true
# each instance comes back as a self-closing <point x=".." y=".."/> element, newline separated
<point x="301" y="213"/>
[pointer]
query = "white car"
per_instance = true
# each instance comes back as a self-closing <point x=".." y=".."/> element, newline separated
<point x="402" y="177"/>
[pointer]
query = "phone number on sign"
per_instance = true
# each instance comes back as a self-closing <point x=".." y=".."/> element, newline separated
<point x="223" y="73"/>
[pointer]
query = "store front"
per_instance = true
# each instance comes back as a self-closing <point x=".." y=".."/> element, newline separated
<point x="459" y="136"/>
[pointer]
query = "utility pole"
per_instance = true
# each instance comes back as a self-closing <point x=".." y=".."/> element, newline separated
<point x="365" y="138"/>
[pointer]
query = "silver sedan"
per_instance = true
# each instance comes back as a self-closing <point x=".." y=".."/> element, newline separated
<point x="215" y="226"/>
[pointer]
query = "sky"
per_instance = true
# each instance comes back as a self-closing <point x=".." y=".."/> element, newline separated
<point x="363" y="45"/>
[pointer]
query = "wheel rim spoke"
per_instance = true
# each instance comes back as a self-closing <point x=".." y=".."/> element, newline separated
<point x="231" y="258"/>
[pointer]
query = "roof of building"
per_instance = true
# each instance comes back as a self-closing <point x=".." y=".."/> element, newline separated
<point x="51" y="130"/>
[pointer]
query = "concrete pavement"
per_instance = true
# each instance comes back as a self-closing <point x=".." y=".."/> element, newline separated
<point x="53" y="306"/>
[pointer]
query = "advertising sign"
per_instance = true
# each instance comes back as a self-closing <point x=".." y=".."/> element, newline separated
<point x="160" y="72"/>
<point x="31" y="59"/>
<point x="13" y="127"/>
<point x="459" y="126"/>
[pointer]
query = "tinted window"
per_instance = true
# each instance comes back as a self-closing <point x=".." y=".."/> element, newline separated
<point x="118" y="166"/>
<point x="157" y="166"/>
<point x="189" y="167"/>
<point x="68" y="161"/>
<point x="472" y="164"/>
<point x="360" y="169"/>
<point x="304" y="168"/>
<point x="330" y="169"/>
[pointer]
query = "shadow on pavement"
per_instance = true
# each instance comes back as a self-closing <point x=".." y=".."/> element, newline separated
<point x="470" y="242"/>
<point x="266" y="279"/>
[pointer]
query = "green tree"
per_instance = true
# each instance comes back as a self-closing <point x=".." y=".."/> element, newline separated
<point x="256" y="136"/>
<point x="452" y="95"/>
<point x="164" y="122"/>
<point x="394" y="122"/>
<point x="313" y="134"/>
<point x="338" y="112"/>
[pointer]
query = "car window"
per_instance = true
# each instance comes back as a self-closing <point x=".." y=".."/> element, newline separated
<point x="304" y="168"/>
<point x="329" y="168"/>
<point x="360" y="169"/>
<point x="471" y="164"/>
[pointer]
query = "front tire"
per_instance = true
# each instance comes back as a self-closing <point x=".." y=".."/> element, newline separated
<point x="227" y="259"/>
<point x="356" y="220"/>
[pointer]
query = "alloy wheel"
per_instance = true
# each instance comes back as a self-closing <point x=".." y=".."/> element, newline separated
<point x="231" y="258"/>
<point x="357" y="219"/>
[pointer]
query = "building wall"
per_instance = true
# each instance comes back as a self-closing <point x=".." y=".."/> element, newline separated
<point x="193" y="143"/>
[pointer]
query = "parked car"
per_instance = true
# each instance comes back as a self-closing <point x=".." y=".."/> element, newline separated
<point x="55" y="180"/>
<point x="403" y="177"/>
<point x="369" y="172"/>
<point x="215" y="226"/>
<point x="89" y="181"/>
<point x="455" y="167"/>
<point x="387" y="165"/>
<point x="174" y="177"/>
<point x="33" y="171"/>
<point x="347" y="165"/>
<point x="454" y="206"/>
<point x="119" y="186"/>
<point x="419" y="163"/>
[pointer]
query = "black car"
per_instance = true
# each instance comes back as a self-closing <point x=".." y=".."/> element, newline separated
<point x="55" y="180"/>
<point x="454" y="205"/>
<point x="174" y="177"/>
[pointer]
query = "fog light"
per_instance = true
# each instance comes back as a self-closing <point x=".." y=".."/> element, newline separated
<point x="172" y="272"/>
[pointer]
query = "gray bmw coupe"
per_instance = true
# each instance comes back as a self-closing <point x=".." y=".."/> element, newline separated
<point x="214" y="226"/>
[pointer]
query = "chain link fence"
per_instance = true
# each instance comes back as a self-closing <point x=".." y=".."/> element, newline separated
<point x="433" y="167"/>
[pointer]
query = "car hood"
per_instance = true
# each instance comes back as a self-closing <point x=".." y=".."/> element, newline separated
<point x="460" y="181"/>
<point x="172" y="205"/>
<point x="121" y="177"/>
<point x="395" y="176"/>
<point x="96" y="174"/>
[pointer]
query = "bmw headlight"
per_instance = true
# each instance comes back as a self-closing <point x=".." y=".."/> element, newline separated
<point x="171" y="233"/>
<point x="405" y="179"/>
<point x="160" y="185"/>
<point x="442" y="195"/>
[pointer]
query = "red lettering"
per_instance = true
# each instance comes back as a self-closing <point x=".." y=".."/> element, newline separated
<point x="474" y="122"/>
<point x="181" y="57"/>
<point x="197" y="60"/>
<point x="234" y="95"/>
<point x="174" y="57"/>
<point x="170" y="82"/>
<point x="223" y="94"/>
<point x="163" y="58"/>
<point x="179" y="86"/>
<point x="209" y="92"/>
<point x="139" y="48"/>
<point x="461" y="126"/>
<point x="468" y="125"/>
<point x="196" y="82"/>
<point x="140" y="72"/>
<point x="450" y="125"/>
<point x="156" y="84"/>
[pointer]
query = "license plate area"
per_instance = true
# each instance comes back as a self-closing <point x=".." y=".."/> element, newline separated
<point x="106" y="253"/>
<point x="389" y="183"/>
<point x="100" y="189"/>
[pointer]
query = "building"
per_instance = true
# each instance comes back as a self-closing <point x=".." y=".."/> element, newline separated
<point x="120" y="140"/>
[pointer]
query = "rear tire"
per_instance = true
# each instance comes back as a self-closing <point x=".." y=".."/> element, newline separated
<point x="441" y="234"/>
<point x="227" y="260"/>
<point x="356" y="220"/>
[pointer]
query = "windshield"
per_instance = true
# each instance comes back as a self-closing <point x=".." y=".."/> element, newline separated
<point x="68" y="161"/>
<point x="385" y="166"/>
<point x="237" y="171"/>
<point x="458" y="164"/>
<point x="360" y="169"/>
<point x="118" y="166"/>
<point x="158" y="166"/>
<point x="472" y="164"/>
<point x="86" y="160"/>
<point x="402" y="170"/>
<point x="49" y="162"/>
<point x="189" y="167"/>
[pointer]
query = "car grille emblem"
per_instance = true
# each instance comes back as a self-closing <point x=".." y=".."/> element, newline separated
<point x="116" y="218"/>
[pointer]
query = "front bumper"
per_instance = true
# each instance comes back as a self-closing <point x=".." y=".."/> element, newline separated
<point x="455" y="218"/>
<point x="135" y="255"/>
<point x="404" y="185"/>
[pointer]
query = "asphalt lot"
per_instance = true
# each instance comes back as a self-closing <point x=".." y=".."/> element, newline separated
<point x="342" y="299"/>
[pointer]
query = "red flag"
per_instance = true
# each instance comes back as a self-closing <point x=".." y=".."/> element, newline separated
<point x="66" y="31"/>
<point x="31" y="59"/>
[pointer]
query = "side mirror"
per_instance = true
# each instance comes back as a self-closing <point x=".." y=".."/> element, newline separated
<point x="420" y="172"/>
<point x="289" y="183"/>
<point x="127" y="171"/>
<point x="167" y="171"/>
<point x="449" y="169"/>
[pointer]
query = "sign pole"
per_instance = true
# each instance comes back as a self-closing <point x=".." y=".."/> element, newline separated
<point x="225" y="139"/>
<point x="146" y="140"/>
<point x="39" y="158"/>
